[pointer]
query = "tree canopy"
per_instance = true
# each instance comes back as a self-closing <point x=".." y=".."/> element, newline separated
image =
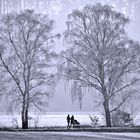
<point x="25" y="56"/>
<point x="100" y="54"/>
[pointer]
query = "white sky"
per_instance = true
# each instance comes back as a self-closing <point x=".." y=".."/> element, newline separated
<point x="61" y="101"/>
<point x="58" y="10"/>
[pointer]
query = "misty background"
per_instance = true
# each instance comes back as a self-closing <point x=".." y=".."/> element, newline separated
<point x="58" y="10"/>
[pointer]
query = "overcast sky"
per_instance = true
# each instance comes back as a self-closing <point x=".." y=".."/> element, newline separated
<point x="131" y="8"/>
<point x="58" y="10"/>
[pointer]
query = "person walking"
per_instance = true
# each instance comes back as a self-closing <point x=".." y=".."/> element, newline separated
<point x="72" y="120"/>
<point x="68" y="121"/>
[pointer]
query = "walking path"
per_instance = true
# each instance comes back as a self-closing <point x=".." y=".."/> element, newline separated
<point x="5" y="135"/>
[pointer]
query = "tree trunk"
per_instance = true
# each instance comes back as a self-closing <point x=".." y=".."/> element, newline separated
<point x="107" y="113"/>
<point x="24" y="118"/>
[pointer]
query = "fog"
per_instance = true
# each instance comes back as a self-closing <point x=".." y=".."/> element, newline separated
<point x="58" y="11"/>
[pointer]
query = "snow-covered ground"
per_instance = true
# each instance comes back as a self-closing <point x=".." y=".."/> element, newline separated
<point x="52" y="119"/>
<point x="44" y="120"/>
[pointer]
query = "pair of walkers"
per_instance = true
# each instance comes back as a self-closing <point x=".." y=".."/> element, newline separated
<point x="70" y="121"/>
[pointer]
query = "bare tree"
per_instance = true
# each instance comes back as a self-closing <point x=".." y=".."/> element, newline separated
<point x="25" y="54"/>
<point x="100" y="55"/>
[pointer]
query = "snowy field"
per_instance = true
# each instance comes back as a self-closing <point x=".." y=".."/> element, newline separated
<point x="68" y="136"/>
<point x="52" y="119"/>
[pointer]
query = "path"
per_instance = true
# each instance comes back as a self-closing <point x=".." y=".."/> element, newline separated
<point x="67" y="136"/>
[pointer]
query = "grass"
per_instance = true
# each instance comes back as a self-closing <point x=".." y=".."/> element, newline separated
<point x="81" y="129"/>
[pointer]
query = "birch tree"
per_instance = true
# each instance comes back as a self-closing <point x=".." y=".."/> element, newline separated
<point x="25" y="55"/>
<point x="100" y="55"/>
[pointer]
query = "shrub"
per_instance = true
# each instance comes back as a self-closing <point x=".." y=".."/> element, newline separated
<point x="122" y="118"/>
<point x="15" y="123"/>
<point x="94" y="120"/>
